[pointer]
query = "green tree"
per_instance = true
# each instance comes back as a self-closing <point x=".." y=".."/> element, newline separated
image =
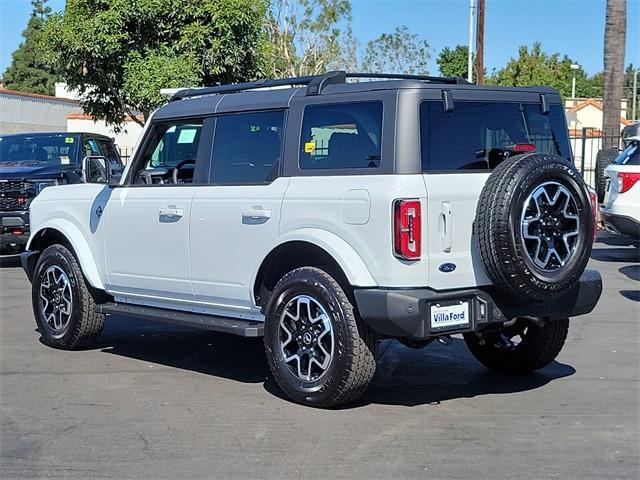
<point x="628" y="87"/>
<point x="27" y="71"/>
<point x="308" y="37"/>
<point x="536" y="67"/>
<point x="397" y="52"/>
<point x="454" y="62"/>
<point x="118" y="54"/>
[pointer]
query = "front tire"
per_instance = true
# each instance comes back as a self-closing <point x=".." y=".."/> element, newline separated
<point x="319" y="352"/>
<point x="521" y="348"/>
<point x="63" y="303"/>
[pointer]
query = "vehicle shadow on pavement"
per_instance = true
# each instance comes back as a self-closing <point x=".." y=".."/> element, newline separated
<point x="404" y="376"/>
<point x="438" y="373"/>
<point x="627" y="255"/>
<point x="9" y="261"/>
<point x="616" y="240"/>
<point x="202" y="351"/>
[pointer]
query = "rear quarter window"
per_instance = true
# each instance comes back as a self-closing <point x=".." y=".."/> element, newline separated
<point x="341" y="136"/>
<point x="475" y="134"/>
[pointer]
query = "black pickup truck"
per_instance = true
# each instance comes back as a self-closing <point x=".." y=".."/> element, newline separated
<point x="30" y="162"/>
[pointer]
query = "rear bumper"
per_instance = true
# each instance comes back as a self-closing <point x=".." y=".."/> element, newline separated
<point x="404" y="313"/>
<point x="14" y="231"/>
<point x="621" y="224"/>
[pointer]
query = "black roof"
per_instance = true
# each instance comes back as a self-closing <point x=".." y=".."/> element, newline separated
<point x="51" y="134"/>
<point x="267" y="94"/>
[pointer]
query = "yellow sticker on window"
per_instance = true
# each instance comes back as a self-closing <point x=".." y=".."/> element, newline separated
<point x="68" y="140"/>
<point x="309" y="147"/>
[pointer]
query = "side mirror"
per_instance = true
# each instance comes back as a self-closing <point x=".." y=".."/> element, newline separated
<point x="96" y="170"/>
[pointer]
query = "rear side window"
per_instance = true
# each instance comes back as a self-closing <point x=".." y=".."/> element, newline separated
<point x="247" y="148"/>
<point x="341" y="136"/>
<point x="475" y="135"/>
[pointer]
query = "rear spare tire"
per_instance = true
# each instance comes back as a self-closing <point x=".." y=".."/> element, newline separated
<point x="603" y="160"/>
<point x="534" y="226"/>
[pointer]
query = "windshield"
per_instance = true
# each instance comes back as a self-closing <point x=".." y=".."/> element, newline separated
<point x="475" y="135"/>
<point x="57" y="149"/>
<point x="629" y="156"/>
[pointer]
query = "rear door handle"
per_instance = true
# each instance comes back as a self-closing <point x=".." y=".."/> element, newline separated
<point x="446" y="227"/>
<point x="256" y="213"/>
<point x="172" y="212"/>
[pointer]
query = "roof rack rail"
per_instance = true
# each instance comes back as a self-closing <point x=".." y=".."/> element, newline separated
<point x="241" y="87"/>
<point x="315" y="83"/>
<point x="402" y="76"/>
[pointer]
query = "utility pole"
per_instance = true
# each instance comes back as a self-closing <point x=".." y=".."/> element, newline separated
<point x="635" y="94"/>
<point x="480" y="44"/>
<point x="470" y="53"/>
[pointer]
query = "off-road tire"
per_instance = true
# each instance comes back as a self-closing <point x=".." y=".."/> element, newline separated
<point x="353" y="363"/>
<point x="497" y="226"/>
<point x="85" y="323"/>
<point x="541" y="346"/>
<point x="603" y="160"/>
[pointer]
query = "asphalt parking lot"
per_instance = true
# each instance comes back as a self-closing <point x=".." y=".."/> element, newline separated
<point x="163" y="402"/>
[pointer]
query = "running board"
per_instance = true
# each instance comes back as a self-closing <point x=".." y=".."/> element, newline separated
<point x="244" y="328"/>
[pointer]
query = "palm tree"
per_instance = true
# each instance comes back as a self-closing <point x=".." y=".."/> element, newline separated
<point x="614" y="44"/>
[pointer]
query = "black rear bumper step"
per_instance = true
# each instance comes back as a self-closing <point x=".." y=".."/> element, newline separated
<point x="243" y="328"/>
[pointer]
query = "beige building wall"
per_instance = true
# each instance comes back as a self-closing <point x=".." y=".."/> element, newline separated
<point x="21" y="112"/>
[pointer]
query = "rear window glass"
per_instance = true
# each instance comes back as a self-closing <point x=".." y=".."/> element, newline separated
<point x="476" y="135"/>
<point x="341" y="136"/>
<point x="58" y="149"/>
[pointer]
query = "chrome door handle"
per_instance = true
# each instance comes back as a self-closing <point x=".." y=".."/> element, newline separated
<point x="256" y="213"/>
<point x="171" y="212"/>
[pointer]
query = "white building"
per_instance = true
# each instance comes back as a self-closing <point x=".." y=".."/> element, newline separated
<point x="31" y="112"/>
<point x="588" y="113"/>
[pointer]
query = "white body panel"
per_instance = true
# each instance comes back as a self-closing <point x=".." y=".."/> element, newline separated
<point x="206" y="258"/>
<point x="232" y="230"/>
<point x="625" y="204"/>
<point x="147" y="242"/>
<point x="71" y="210"/>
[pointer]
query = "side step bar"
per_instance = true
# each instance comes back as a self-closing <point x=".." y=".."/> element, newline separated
<point x="244" y="328"/>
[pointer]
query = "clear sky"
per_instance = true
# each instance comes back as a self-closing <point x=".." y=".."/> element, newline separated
<point x="574" y="27"/>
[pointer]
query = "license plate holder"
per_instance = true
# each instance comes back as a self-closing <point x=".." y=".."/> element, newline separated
<point x="450" y="315"/>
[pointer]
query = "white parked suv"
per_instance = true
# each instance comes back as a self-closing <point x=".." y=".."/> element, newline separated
<point x="325" y="217"/>
<point x="620" y="209"/>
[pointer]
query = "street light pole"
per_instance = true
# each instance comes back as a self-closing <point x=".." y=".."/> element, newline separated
<point x="635" y="94"/>
<point x="470" y="52"/>
<point x="574" y="68"/>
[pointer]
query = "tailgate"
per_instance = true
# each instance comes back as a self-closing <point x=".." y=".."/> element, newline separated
<point x="453" y="260"/>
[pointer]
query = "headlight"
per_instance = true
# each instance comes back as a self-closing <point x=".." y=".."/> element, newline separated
<point x="42" y="184"/>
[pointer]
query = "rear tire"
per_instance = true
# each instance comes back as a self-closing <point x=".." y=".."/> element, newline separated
<point x="63" y="303"/>
<point x="604" y="158"/>
<point x="536" y="346"/>
<point x="310" y="317"/>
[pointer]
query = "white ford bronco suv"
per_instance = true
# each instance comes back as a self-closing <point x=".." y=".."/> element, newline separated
<point x="325" y="215"/>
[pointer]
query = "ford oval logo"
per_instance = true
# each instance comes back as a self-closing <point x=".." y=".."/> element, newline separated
<point x="447" y="267"/>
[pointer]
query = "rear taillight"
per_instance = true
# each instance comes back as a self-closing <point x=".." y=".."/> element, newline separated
<point x="626" y="180"/>
<point x="594" y="211"/>
<point x="524" y="147"/>
<point x="407" y="229"/>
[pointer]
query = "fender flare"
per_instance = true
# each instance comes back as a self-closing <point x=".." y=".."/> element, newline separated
<point x="80" y="246"/>
<point x="344" y="254"/>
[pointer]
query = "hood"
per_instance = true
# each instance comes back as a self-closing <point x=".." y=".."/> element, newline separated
<point x="29" y="169"/>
